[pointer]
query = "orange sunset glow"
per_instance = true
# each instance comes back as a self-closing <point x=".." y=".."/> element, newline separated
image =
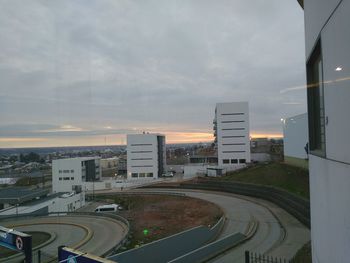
<point x="117" y="139"/>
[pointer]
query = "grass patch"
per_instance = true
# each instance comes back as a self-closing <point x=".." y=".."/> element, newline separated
<point x="280" y="175"/>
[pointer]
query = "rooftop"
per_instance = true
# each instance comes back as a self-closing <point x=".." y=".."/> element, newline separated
<point x="17" y="195"/>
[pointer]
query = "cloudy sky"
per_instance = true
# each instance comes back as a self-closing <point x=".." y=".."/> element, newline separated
<point x="86" y="72"/>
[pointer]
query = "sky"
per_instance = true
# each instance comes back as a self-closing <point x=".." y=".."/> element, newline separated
<point x="87" y="72"/>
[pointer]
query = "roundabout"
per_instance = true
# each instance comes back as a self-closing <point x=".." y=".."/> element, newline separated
<point x="96" y="234"/>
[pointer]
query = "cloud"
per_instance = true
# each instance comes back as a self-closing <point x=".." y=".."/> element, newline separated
<point x="146" y="64"/>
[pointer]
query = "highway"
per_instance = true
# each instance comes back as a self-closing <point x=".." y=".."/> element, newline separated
<point x="95" y="235"/>
<point x="278" y="233"/>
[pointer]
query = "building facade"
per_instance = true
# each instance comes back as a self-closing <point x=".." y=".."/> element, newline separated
<point x="146" y="156"/>
<point x="296" y="139"/>
<point x="327" y="37"/>
<point x="231" y="131"/>
<point x="70" y="174"/>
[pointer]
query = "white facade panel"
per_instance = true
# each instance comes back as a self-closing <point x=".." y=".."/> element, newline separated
<point x="330" y="174"/>
<point x="317" y="13"/>
<point x="68" y="173"/>
<point x="295" y="136"/>
<point x="232" y="128"/>
<point x="145" y="155"/>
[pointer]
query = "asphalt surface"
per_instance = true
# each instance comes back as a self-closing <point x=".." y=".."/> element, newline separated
<point x="95" y="235"/>
<point x="278" y="233"/>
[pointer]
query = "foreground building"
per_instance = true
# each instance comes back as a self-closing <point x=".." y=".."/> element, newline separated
<point x="146" y="156"/>
<point x="231" y="130"/>
<point x="295" y="139"/>
<point x="327" y="39"/>
<point x="71" y="174"/>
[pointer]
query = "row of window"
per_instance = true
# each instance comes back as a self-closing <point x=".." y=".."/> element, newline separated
<point x="232" y="121"/>
<point x="65" y="178"/>
<point x="66" y="171"/>
<point x="235" y="161"/>
<point x="234" y="143"/>
<point x="141" y="175"/>
<point x="138" y="166"/>
<point x="230" y="114"/>
<point x="233" y="129"/>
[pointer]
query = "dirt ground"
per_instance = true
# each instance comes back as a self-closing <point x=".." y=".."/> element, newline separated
<point x="162" y="215"/>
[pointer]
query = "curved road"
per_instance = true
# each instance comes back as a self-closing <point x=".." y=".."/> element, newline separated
<point x="92" y="234"/>
<point x="278" y="234"/>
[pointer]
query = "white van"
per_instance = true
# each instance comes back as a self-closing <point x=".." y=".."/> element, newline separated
<point x="107" y="208"/>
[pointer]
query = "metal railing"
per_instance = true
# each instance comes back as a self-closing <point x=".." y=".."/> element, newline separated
<point x="251" y="257"/>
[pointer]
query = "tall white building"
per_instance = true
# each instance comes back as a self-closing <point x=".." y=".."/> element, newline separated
<point x="146" y="155"/>
<point x="327" y="38"/>
<point x="231" y="129"/>
<point x="70" y="174"/>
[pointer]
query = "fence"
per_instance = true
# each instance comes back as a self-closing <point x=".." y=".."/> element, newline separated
<point x="251" y="257"/>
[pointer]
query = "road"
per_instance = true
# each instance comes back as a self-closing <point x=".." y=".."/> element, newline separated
<point x="278" y="233"/>
<point x="95" y="235"/>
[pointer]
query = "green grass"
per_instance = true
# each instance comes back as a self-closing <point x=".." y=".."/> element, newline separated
<point x="303" y="255"/>
<point x="280" y="175"/>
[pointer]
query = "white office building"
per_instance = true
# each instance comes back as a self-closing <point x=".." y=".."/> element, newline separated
<point x="231" y="129"/>
<point x="71" y="174"/>
<point x="295" y="140"/>
<point x="146" y="155"/>
<point x="327" y="37"/>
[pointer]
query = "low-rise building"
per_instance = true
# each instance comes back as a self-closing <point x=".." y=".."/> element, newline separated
<point x="70" y="174"/>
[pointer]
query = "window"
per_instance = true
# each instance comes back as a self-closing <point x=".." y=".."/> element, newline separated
<point x="60" y="171"/>
<point x="60" y="179"/>
<point x="134" y="175"/>
<point x="225" y="161"/>
<point x="72" y="178"/>
<point x="65" y="178"/>
<point x="315" y="98"/>
<point x="149" y="175"/>
<point x="142" y="174"/>
<point x="241" y="160"/>
<point x="234" y="161"/>
<point x="72" y="171"/>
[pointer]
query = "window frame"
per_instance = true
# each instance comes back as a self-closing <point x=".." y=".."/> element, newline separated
<point x="315" y="102"/>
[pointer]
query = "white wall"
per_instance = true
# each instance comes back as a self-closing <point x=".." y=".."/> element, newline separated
<point x="295" y="136"/>
<point x="330" y="176"/>
<point x="69" y="165"/>
<point x="71" y="170"/>
<point x="231" y="116"/>
<point x="68" y="204"/>
<point x="142" y="154"/>
<point x="316" y="15"/>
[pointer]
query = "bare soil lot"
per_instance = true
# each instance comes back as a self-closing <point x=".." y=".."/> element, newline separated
<point x="156" y="216"/>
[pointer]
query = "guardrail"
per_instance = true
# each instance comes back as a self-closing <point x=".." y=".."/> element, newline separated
<point x="295" y="205"/>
